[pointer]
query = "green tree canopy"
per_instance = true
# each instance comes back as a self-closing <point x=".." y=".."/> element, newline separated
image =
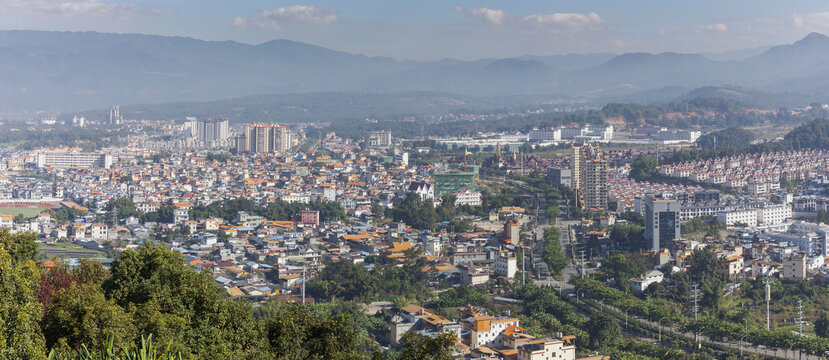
<point x="20" y="336"/>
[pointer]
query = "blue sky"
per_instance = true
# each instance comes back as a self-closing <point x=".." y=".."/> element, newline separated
<point x="435" y="29"/>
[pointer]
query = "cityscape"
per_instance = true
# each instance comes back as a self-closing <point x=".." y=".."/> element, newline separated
<point x="165" y="197"/>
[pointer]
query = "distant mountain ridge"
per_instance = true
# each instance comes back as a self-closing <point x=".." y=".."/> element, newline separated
<point x="72" y="71"/>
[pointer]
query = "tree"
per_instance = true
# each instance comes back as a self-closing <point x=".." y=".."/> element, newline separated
<point x="168" y="299"/>
<point x="20" y="336"/>
<point x="643" y="168"/>
<point x="416" y="212"/>
<point x="91" y="272"/>
<point x="822" y="325"/>
<point x="603" y="329"/>
<point x="81" y="314"/>
<point x="705" y="264"/>
<point x="621" y="269"/>
<point x="125" y="207"/>
<point x="552" y="252"/>
<point x="296" y="334"/>
<point x="446" y="210"/>
<point x="733" y="138"/>
<point x="417" y="347"/>
<point x="20" y="246"/>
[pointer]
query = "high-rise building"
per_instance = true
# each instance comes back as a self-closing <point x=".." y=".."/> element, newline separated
<point x="453" y="181"/>
<point x="115" y="115"/>
<point x="264" y="138"/>
<point x="558" y="176"/>
<point x="575" y="178"/>
<point x="191" y="127"/>
<point x="212" y="129"/>
<point x="662" y="225"/>
<point x="379" y="139"/>
<point x="590" y="173"/>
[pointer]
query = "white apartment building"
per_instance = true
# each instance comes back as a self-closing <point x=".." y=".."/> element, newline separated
<point x="548" y="348"/>
<point x="473" y="275"/>
<point x="98" y="231"/>
<point x="545" y="135"/>
<point x="745" y="216"/>
<point x="770" y="214"/>
<point x="506" y="264"/>
<point x="74" y="160"/>
<point x="765" y="214"/>
<point x="467" y="197"/>
<point x="487" y="330"/>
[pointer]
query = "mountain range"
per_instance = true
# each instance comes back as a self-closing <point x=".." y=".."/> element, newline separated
<point x="73" y="71"/>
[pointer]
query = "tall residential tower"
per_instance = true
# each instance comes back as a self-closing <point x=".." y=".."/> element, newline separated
<point x="590" y="176"/>
<point x="264" y="138"/>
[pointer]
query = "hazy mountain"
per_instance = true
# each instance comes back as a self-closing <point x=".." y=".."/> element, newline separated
<point x="736" y="55"/>
<point x="82" y="70"/>
<point x="641" y="71"/>
<point x="322" y="106"/>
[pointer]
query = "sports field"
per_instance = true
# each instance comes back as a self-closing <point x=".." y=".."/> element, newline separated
<point x="26" y="211"/>
<point x="67" y="250"/>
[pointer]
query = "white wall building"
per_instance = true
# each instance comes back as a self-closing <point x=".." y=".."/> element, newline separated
<point x="548" y="349"/>
<point x="745" y="216"/>
<point x="487" y="330"/>
<point x="770" y="214"/>
<point x="641" y="283"/>
<point x="467" y="197"/>
<point x="506" y="264"/>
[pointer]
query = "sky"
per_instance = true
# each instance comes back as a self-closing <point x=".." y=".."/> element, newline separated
<point x="437" y="29"/>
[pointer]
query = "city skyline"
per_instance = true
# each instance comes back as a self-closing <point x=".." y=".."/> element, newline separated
<point x="433" y="30"/>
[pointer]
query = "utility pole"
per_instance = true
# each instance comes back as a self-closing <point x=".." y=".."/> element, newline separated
<point x="303" y="285"/>
<point x="581" y="254"/>
<point x="114" y="221"/>
<point x="523" y="268"/>
<point x="695" y="292"/>
<point x="800" y="318"/>
<point x="768" y="299"/>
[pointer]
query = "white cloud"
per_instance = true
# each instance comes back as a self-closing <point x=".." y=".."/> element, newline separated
<point x="76" y="8"/>
<point x="720" y="27"/>
<point x="811" y="22"/>
<point x="487" y="15"/>
<point x="556" y="22"/>
<point x="295" y="15"/>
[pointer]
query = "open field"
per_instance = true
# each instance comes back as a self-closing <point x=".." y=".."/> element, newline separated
<point x="12" y="143"/>
<point x="27" y="211"/>
<point x="770" y="131"/>
<point x="67" y="250"/>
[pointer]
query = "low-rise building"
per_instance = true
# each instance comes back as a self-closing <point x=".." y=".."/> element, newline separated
<point x="641" y="283"/>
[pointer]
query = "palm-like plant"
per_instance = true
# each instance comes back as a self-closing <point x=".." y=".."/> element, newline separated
<point x="147" y="351"/>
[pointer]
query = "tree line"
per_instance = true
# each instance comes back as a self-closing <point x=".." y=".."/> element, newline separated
<point x="89" y="311"/>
